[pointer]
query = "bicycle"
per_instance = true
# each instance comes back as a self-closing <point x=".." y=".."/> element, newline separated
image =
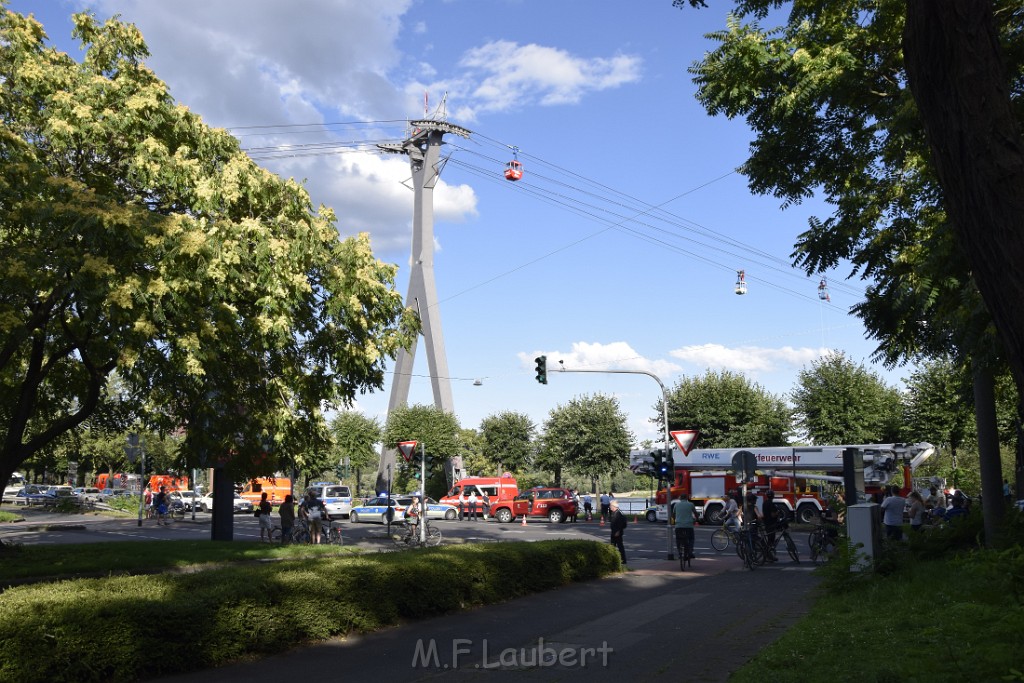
<point x="410" y="538"/>
<point x="822" y="541"/>
<point x="751" y="548"/>
<point x="781" y="534"/>
<point x="684" y="547"/>
<point x="333" y="535"/>
<point x="723" y="536"/>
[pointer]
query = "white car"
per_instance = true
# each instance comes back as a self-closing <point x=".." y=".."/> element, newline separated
<point x="187" y="498"/>
<point x="337" y="498"/>
<point x="240" y="504"/>
<point x="87" y="493"/>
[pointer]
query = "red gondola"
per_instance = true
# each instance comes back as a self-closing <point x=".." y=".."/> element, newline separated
<point x="514" y="169"/>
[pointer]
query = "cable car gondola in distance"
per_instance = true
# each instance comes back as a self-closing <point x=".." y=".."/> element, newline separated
<point x="823" y="290"/>
<point x="741" y="284"/>
<point x="514" y="169"/>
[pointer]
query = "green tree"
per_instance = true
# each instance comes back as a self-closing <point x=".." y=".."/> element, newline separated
<point x="508" y="439"/>
<point x="838" y="401"/>
<point x="844" y="101"/>
<point x="355" y="439"/>
<point x="435" y="430"/>
<point x="474" y="454"/>
<point x="588" y="436"/>
<point x="134" y="238"/>
<point x="729" y="410"/>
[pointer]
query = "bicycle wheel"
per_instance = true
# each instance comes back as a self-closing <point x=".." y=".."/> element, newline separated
<point x="300" y="535"/>
<point x="433" y="537"/>
<point x="334" y="537"/>
<point x="791" y="547"/>
<point x="761" y="552"/>
<point x="815" y="543"/>
<point x="720" y="540"/>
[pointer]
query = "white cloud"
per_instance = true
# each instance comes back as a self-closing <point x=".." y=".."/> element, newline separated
<point x="503" y="75"/>
<point x="598" y="356"/>
<point x="748" y="359"/>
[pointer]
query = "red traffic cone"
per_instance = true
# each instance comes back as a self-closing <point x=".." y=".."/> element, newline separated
<point x="524" y="519"/>
<point x="602" y="520"/>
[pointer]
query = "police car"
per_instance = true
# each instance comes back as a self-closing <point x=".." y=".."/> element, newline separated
<point x="376" y="510"/>
<point x="437" y="510"/>
<point x="337" y="498"/>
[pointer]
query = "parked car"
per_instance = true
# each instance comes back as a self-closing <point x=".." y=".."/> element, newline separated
<point x="437" y="510"/>
<point x="554" y="503"/>
<point x="187" y="498"/>
<point x="87" y="493"/>
<point x="337" y="498"/>
<point x="240" y="504"/>
<point x="376" y="510"/>
<point x="22" y="496"/>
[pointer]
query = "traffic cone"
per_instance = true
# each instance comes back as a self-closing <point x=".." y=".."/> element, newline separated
<point x="524" y="520"/>
<point x="635" y="518"/>
<point x="602" y="520"/>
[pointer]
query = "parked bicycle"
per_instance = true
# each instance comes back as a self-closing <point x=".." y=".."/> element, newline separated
<point x="781" y="535"/>
<point x="823" y="539"/>
<point x="751" y="547"/>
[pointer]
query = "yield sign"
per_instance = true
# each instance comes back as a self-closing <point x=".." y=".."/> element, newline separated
<point x="406" y="448"/>
<point x="685" y="438"/>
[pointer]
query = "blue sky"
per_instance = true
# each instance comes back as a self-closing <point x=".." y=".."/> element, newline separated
<point x="618" y="249"/>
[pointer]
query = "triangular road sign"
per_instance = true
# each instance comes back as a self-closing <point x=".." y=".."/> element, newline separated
<point x="685" y="438"/>
<point x="406" y="448"/>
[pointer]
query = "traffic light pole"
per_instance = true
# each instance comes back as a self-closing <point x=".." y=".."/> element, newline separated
<point x="423" y="495"/>
<point x="668" y="441"/>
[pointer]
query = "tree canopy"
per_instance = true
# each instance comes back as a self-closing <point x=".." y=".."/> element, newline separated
<point x="837" y="401"/>
<point x="729" y="410"/>
<point x="437" y="431"/>
<point x="135" y="238"/>
<point x="587" y="436"/>
<point x="508" y="439"/>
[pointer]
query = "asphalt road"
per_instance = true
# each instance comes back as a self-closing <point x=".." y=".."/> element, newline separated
<point x="652" y="623"/>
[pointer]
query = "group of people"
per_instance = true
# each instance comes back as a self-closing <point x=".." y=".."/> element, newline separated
<point x="471" y="502"/>
<point x="922" y="509"/>
<point x="311" y="509"/>
<point x="157" y="504"/>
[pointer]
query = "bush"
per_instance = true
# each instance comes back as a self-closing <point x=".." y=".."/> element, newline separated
<point x="52" y="632"/>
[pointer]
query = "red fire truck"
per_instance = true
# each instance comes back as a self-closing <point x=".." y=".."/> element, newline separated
<point x="799" y="475"/>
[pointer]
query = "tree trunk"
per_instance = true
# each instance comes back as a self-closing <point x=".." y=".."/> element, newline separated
<point x="959" y="81"/>
<point x="992" y="506"/>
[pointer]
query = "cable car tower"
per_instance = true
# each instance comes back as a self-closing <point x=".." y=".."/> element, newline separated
<point x="423" y="149"/>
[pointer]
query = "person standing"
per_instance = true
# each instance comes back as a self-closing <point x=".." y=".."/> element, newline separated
<point x="618" y="527"/>
<point x="160" y="503"/>
<point x="604" y="506"/>
<point x="472" y="504"/>
<point x="266" y="524"/>
<point x="575" y="493"/>
<point x="771" y="518"/>
<point x="147" y="499"/>
<point x="892" y="513"/>
<point x="462" y="504"/>
<point x="287" y="512"/>
<point x="684" y="512"/>
<point x="315" y="512"/>
<point x="588" y="507"/>
<point x="917" y="511"/>
<point x="485" y="505"/>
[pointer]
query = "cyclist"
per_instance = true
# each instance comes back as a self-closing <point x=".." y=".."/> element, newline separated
<point x="685" y="514"/>
<point x="751" y="515"/>
<point x="732" y="511"/>
<point x="312" y="508"/>
<point x="160" y="503"/>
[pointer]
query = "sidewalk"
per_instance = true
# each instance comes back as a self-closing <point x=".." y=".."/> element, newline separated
<point x="652" y="623"/>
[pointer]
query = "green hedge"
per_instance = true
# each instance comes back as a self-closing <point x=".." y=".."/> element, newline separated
<point x="115" y="629"/>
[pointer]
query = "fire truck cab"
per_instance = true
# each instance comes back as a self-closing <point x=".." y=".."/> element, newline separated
<point x="798" y="475"/>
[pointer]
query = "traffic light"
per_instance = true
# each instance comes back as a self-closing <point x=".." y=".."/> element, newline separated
<point x="663" y="464"/>
<point x="542" y="369"/>
<point x="668" y="466"/>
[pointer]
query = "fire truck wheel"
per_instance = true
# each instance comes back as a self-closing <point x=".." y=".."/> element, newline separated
<point x="556" y="516"/>
<point x="714" y="514"/>
<point x="504" y="515"/>
<point x="806" y="514"/>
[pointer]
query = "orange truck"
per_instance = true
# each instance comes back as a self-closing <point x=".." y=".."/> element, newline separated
<point x="276" y="489"/>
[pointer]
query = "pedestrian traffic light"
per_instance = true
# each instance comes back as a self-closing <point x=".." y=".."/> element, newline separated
<point x="542" y="369"/>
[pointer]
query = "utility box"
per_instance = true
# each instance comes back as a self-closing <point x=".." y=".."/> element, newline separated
<point x="863" y="523"/>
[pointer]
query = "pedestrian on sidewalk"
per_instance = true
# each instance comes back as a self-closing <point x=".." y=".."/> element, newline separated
<point x="605" y="498"/>
<point x="287" y="512"/>
<point x="618" y="527"/>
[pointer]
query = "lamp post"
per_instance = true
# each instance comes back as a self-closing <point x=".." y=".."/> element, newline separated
<point x="664" y="417"/>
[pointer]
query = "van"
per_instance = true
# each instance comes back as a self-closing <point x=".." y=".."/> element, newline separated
<point x="495" y="488"/>
<point x="276" y="489"/>
<point x="337" y="498"/>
